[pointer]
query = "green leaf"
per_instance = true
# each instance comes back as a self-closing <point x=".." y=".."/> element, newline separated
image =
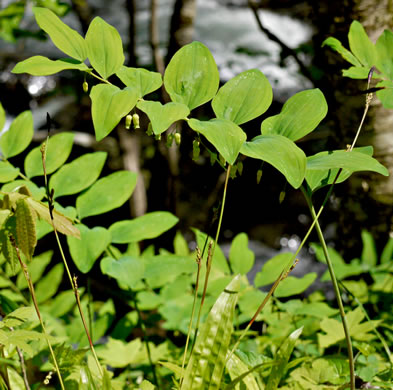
<point x="146" y="385"/>
<point x="236" y="369"/>
<point x="384" y="49"/>
<point x="282" y="358"/>
<point x="147" y="226"/>
<point x="58" y="149"/>
<point x="162" y="116"/>
<point x="16" y="185"/>
<point x="361" y="45"/>
<point x="127" y="270"/>
<point x="62" y="224"/>
<point x="2" y="117"/>
<point x="105" y="49"/>
<point x="18" y="137"/>
<point x="280" y="152"/>
<point x="36" y="269"/>
<point x="78" y="174"/>
<point x="191" y="76"/>
<point x="65" y="38"/>
<point x="244" y="97"/>
<point x="163" y="269"/>
<point x="386" y="95"/>
<point x="25" y="228"/>
<point x="356" y="73"/>
<point x="7" y="172"/>
<point x="223" y="134"/>
<point x="272" y="269"/>
<point x="140" y="79"/>
<point x="387" y="252"/>
<point x="336" y="45"/>
<point x="108" y="105"/>
<point x="351" y="161"/>
<point x="293" y="286"/>
<point x="317" y="179"/>
<point x="241" y="258"/>
<point x="106" y="194"/>
<point x="299" y="116"/>
<point x="47" y="287"/>
<point x="42" y="66"/>
<point x="369" y="252"/>
<point x="86" y="250"/>
<point x="207" y="362"/>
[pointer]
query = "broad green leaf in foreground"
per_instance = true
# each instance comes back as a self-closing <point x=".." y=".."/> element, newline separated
<point x="162" y="116"/>
<point x="86" y="250"/>
<point x="105" y="49"/>
<point x="224" y="135"/>
<point x="336" y="45"/>
<point x="78" y="174"/>
<point x="319" y="178"/>
<point x="58" y="149"/>
<point x="236" y="369"/>
<point x="106" y="194"/>
<point x="42" y="66"/>
<point x="322" y="168"/>
<point x="280" y="152"/>
<point x="108" y="105"/>
<point x="282" y="357"/>
<point x="207" y="362"/>
<point x="244" y="97"/>
<point x="145" y="227"/>
<point x="127" y="270"/>
<point x="143" y="80"/>
<point x="241" y="258"/>
<point x="65" y="38"/>
<point x="191" y="76"/>
<point x="299" y="116"/>
<point x="361" y="45"/>
<point x="18" y="137"/>
<point x="7" y="172"/>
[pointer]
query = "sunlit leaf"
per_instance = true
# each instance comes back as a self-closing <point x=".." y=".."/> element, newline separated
<point x="292" y="285"/>
<point x="241" y="258"/>
<point x="336" y="45"/>
<point x="384" y="49"/>
<point x="25" y="228"/>
<point x="361" y="45"/>
<point x="7" y="172"/>
<point x="47" y="287"/>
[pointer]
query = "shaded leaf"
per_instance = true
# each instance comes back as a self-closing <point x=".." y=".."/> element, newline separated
<point x="280" y="152"/>
<point x="272" y="269"/>
<point x="336" y="45"/>
<point x="108" y="193"/>
<point x="140" y="79"/>
<point x="42" y="66"/>
<point x="25" y="228"/>
<point x="244" y="97"/>
<point x="162" y="116"/>
<point x="299" y="116"/>
<point x="18" y="137"/>
<point x="86" y="250"/>
<point x="105" y="49"/>
<point x="384" y="49"/>
<point x="369" y="253"/>
<point x="224" y="135"/>
<point x="191" y="76"/>
<point x="147" y="226"/>
<point x="58" y="149"/>
<point x="109" y="105"/>
<point x="2" y="117"/>
<point x="65" y="38"/>
<point x="47" y="287"/>
<point x="78" y="174"/>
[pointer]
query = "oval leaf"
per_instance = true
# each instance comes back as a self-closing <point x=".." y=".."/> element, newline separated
<point x="299" y="116"/>
<point x="241" y="258"/>
<point x="361" y="45"/>
<point x="105" y="49"/>
<point x="78" y="174"/>
<point x="18" y="136"/>
<point x="224" y="135"/>
<point x="127" y="270"/>
<point x="140" y="79"/>
<point x="384" y="48"/>
<point x="58" y="149"/>
<point x="86" y="250"/>
<point x="207" y="362"/>
<point x="293" y="286"/>
<point x="162" y="116"/>
<point x="65" y="38"/>
<point x="25" y="228"/>
<point x="147" y="226"/>
<point x="108" y="105"/>
<point x="106" y="194"/>
<point x="191" y="76"/>
<point x="244" y="97"/>
<point x="280" y="152"/>
<point x="42" y="66"/>
<point x="7" y="172"/>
